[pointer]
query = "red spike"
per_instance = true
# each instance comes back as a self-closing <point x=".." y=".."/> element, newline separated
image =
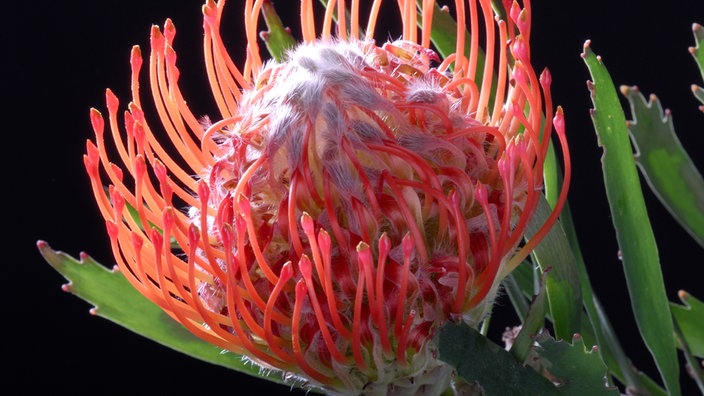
<point x="169" y="31"/>
<point x="325" y="245"/>
<point x="296" y="342"/>
<point x="384" y="249"/>
<point x="403" y="339"/>
<point x="118" y="203"/>
<point x="305" y="267"/>
<point x="97" y="122"/>
<point x="462" y="250"/>
<point x="234" y="301"/>
<point x="407" y="244"/>
<point x="357" y="315"/>
<point x="285" y="275"/>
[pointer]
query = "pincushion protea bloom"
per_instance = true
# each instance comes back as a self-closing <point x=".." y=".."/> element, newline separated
<point x="345" y="202"/>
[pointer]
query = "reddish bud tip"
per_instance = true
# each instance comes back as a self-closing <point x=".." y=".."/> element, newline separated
<point x="169" y="30"/>
<point x="96" y="120"/>
<point x="112" y="101"/>
<point x="136" y="59"/>
<point x="286" y="272"/>
<point x="305" y="267"/>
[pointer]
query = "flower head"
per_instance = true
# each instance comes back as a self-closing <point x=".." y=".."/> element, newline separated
<point x="344" y="202"/>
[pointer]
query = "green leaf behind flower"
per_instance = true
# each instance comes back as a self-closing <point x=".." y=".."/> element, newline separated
<point x="698" y="53"/>
<point x="531" y="324"/>
<point x="477" y="359"/>
<point x="630" y="219"/>
<point x="562" y="282"/>
<point x="665" y="164"/>
<point x="690" y="320"/>
<point x="117" y="300"/>
<point x="278" y="38"/>
<point x="576" y="369"/>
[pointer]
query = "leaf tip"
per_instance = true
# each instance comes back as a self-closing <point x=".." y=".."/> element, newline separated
<point x="627" y="90"/>
<point x="683" y="295"/>
<point x="586" y="48"/>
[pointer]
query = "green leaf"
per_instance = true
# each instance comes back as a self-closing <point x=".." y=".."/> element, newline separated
<point x="562" y="283"/>
<point x="576" y="370"/>
<point x="596" y="328"/>
<point x="697" y="51"/>
<point x="117" y="300"/>
<point x="515" y="293"/>
<point x="632" y="225"/>
<point x="278" y="39"/>
<point x="477" y="359"/>
<point x="531" y="325"/>
<point x="690" y="320"/>
<point x="665" y="164"/>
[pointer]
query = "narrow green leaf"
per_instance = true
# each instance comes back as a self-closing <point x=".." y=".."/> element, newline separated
<point x="477" y="359"/>
<point x="531" y="325"/>
<point x="576" y="370"/>
<point x="562" y="282"/>
<point x="699" y="94"/>
<point x="697" y="51"/>
<point x="665" y="164"/>
<point x="278" y="38"/>
<point x="596" y="329"/>
<point x="690" y="320"/>
<point x="552" y="177"/>
<point x="632" y="225"/>
<point x="115" y="299"/>
<point x="499" y="9"/>
<point x="515" y="293"/>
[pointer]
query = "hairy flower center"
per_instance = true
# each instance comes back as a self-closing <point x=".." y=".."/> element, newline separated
<point x="351" y="155"/>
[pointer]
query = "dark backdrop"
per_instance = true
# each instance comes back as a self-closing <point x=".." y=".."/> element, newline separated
<point x="57" y="59"/>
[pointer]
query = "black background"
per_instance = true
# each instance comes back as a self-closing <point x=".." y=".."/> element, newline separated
<point x="57" y="60"/>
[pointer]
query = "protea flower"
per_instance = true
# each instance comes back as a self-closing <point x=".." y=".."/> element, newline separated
<point x="341" y="204"/>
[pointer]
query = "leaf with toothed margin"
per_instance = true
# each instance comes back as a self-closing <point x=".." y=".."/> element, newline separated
<point x="689" y="322"/>
<point x="115" y="299"/>
<point x="666" y="166"/>
<point x="634" y="234"/>
<point x="596" y="329"/>
<point x="278" y="38"/>
<point x="664" y="163"/>
<point x="575" y="370"/>
<point x="478" y="360"/>
<point x="689" y="317"/>
<point x="698" y="53"/>
<point x="531" y="324"/>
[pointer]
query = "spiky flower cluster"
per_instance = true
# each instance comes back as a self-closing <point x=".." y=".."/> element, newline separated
<point x="348" y="200"/>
